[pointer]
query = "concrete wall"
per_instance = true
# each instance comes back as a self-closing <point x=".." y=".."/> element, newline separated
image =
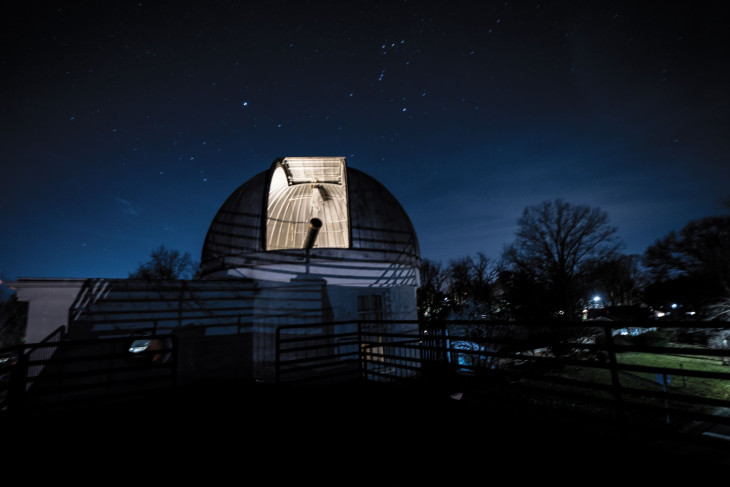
<point x="49" y="302"/>
<point x="225" y="327"/>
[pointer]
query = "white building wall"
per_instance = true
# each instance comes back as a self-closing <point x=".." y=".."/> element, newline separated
<point x="48" y="303"/>
<point x="256" y="309"/>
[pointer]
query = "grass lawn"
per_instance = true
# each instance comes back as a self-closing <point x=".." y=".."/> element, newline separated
<point x="691" y="386"/>
<point x="648" y="381"/>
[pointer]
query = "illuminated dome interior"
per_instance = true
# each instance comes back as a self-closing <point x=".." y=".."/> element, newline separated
<point x="266" y="220"/>
<point x="302" y="189"/>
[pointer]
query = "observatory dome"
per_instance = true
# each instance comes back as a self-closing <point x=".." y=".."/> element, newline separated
<point x="346" y="225"/>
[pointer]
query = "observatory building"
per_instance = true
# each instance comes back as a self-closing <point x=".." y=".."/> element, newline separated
<point x="307" y="241"/>
<point x="314" y="216"/>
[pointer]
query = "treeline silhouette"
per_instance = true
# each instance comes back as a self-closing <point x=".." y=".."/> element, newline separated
<point x="565" y="263"/>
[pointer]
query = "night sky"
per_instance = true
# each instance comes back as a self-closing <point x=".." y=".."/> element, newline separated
<point x="126" y="124"/>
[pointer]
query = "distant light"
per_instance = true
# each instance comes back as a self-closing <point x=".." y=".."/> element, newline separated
<point x="596" y="298"/>
<point x="674" y="305"/>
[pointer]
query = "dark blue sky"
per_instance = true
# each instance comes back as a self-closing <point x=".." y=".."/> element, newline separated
<point x="126" y="124"/>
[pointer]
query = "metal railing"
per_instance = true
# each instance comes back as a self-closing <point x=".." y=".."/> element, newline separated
<point x="588" y="366"/>
<point x="613" y="368"/>
<point x="59" y="374"/>
<point x="326" y="352"/>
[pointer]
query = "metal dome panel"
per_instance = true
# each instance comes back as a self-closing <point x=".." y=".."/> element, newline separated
<point x="366" y="237"/>
<point x="236" y="228"/>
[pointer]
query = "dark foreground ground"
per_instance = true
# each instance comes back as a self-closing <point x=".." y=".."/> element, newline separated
<point x="351" y="434"/>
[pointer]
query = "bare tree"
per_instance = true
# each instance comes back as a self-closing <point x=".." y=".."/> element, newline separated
<point x="467" y="289"/>
<point x="699" y="256"/>
<point x="556" y="245"/>
<point x="166" y="264"/>
<point x="472" y="289"/>
<point x="431" y="296"/>
<point x="471" y="285"/>
<point x="618" y="280"/>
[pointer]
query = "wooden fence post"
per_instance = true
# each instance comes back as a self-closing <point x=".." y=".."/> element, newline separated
<point x="613" y="366"/>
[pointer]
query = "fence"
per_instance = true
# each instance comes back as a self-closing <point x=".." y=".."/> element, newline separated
<point x="657" y="372"/>
<point x="58" y="374"/>
<point x="326" y="352"/>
